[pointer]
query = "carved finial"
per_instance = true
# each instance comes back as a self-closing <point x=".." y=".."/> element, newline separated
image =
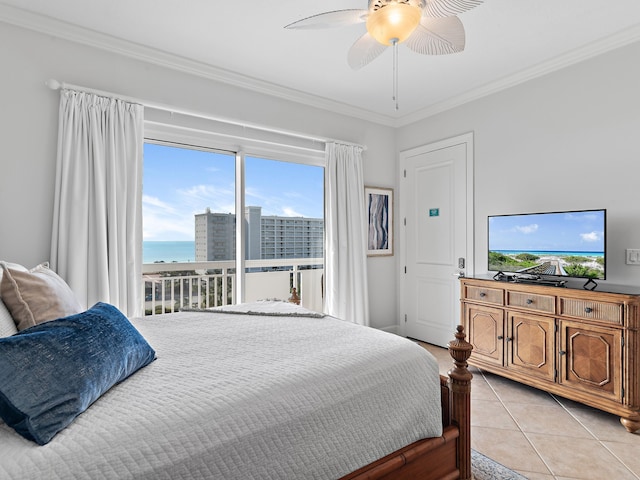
<point x="460" y="351"/>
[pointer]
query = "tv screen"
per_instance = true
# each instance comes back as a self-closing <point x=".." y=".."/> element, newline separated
<point x="565" y="244"/>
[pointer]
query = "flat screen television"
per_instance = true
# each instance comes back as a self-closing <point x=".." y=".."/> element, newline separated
<point x="551" y="244"/>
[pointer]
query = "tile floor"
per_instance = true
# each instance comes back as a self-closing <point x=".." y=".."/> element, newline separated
<point x="542" y="436"/>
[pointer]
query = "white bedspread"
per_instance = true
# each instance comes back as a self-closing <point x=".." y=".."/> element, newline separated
<point x="246" y="397"/>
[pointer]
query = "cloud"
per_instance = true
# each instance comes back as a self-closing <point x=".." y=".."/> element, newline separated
<point x="162" y="221"/>
<point x="582" y="216"/>
<point x="207" y="193"/>
<point x="271" y="204"/>
<point x="169" y="215"/>
<point x="591" y="236"/>
<point x="150" y="201"/>
<point x="197" y="198"/>
<point x="159" y="225"/>
<point x="290" y="212"/>
<point x="295" y="195"/>
<point x="527" y="229"/>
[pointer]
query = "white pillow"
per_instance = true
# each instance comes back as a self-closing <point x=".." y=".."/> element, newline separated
<point x="12" y="266"/>
<point x="37" y="295"/>
<point x="7" y="325"/>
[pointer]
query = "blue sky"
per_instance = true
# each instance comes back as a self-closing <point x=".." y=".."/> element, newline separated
<point x="571" y="231"/>
<point x="179" y="183"/>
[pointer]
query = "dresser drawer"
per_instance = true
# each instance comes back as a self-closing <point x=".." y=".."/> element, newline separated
<point x="482" y="294"/>
<point x="532" y="301"/>
<point x="591" y="310"/>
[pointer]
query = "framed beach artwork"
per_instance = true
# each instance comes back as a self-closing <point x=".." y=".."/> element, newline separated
<point x="379" y="204"/>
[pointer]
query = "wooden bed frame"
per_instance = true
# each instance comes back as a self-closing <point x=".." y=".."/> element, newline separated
<point x="446" y="457"/>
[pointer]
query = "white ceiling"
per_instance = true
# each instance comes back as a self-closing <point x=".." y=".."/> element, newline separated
<point x="243" y="41"/>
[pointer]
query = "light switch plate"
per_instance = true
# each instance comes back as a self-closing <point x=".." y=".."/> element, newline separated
<point x="633" y="256"/>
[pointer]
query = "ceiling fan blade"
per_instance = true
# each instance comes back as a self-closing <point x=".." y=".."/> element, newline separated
<point x="437" y="36"/>
<point x="363" y="51"/>
<point x="448" y="8"/>
<point x="336" y="18"/>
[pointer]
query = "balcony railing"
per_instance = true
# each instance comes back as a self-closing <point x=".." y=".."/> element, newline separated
<point x="169" y="287"/>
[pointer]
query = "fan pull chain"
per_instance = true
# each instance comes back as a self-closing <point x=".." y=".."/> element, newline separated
<point x="394" y="42"/>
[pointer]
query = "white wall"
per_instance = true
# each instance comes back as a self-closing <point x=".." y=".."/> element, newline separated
<point x="28" y="130"/>
<point x="576" y="127"/>
<point x="565" y="141"/>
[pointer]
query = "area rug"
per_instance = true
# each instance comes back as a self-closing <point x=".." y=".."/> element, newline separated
<point x="483" y="468"/>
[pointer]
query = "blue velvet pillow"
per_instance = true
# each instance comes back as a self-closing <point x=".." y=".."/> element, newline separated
<point x="52" y="372"/>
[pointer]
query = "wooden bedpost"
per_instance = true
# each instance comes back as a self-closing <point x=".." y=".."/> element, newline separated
<point x="460" y="384"/>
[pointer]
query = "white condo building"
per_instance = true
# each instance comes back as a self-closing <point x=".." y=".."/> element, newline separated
<point x="267" y="237"/>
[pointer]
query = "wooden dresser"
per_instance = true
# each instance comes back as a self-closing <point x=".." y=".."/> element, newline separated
<point x="579" y="344"/>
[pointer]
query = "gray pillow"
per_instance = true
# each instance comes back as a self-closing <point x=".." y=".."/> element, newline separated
<point x="7" y="325"/>
<point x="37" y="295"/>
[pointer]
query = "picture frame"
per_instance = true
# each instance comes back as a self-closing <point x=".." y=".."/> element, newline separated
<point x="379" y="213"/>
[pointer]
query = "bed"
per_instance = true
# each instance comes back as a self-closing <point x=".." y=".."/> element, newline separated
<point x="267" y="391"/>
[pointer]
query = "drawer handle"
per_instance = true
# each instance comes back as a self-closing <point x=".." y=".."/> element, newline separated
<point x="588" y="310"/>
<point x="482" y="294"/>
<point x="529" y="301"/>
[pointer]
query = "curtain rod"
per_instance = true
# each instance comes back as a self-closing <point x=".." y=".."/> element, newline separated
<point x="54" y="84"/>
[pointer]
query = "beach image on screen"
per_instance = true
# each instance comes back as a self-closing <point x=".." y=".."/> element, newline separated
<point x="563" y="244"/>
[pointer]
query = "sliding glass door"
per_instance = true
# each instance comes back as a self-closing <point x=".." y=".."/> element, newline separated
<point x="191" y="215"/>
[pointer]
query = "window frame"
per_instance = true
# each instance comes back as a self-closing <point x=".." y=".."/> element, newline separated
<point x="196" y="133"/>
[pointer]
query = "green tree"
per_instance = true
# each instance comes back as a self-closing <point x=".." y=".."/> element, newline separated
<point x="579" y="270"/>
<point x="527" y="257"/>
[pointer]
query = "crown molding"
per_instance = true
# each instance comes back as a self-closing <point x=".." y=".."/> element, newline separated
<point x="50" y="26"/>
<point x="617" y="40"/>
<point x="74" y="33"/>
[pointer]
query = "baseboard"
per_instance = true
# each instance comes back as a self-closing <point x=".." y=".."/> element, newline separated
<point x="390" y="329"/>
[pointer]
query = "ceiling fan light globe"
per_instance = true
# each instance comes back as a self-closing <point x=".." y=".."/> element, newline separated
<point x="394" y="21"/>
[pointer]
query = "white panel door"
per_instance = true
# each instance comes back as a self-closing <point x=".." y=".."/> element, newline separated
<point x="436" y="236"/>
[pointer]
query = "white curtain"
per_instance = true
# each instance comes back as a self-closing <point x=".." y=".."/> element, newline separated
<point x="346" y="257"/>
<point x="96" y="242"/>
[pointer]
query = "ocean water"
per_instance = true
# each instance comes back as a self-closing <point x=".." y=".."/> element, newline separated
<point x="155" y="251"/>
<point x="551" y="252"/>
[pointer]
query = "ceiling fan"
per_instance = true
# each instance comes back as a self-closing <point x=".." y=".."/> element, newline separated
<point x="428" y="27"/>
